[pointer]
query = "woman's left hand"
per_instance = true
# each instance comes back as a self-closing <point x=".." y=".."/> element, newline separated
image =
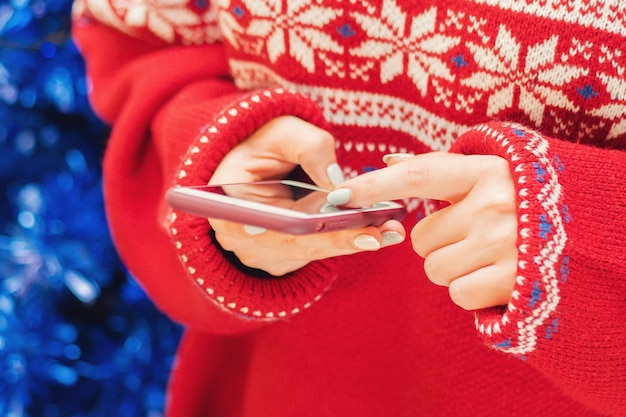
<point x="468" y="246"/>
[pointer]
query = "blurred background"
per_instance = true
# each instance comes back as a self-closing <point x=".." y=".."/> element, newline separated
<point x="78" y="337"/>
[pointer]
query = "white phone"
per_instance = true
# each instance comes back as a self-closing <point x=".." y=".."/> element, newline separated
<point x="283" y="205"/>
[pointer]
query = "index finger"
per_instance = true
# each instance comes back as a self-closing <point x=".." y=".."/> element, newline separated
<point x="437" y="175"/>
<point x="305" y="144"/>
<point x="314" y="151"/>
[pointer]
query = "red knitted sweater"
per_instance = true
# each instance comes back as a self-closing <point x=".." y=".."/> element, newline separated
<point x="541" y="83"/>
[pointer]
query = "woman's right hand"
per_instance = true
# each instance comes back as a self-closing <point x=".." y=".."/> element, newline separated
<point x="272" y="152"/>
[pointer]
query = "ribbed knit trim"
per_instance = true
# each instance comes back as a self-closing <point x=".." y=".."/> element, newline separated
<point x="541" y="238"/>
<point x="228" y="287"/>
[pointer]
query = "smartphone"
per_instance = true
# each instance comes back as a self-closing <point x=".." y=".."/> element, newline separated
<point x="283" y="205"/>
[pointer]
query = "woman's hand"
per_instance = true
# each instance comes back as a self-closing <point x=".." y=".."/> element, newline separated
<point x="470" y="245"/>
<point x="273" y="152"/>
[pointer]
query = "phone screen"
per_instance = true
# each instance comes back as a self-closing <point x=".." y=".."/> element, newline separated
<point x="286" y="194"/>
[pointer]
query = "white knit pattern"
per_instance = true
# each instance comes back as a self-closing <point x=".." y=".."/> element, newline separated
<point x="547" y="258"/>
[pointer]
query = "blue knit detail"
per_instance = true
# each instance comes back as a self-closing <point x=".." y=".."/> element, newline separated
<point x="239" y="12"/>
<point x="520" y="133"/>
<point x="536" y="294"/>
<point x="459" y="61"/>
<point x="587" y="92"/>
<point x="545" y="227"/>
<point x="503" y="345"/>
<point x="201" y="4"/>
<point x="565" y="269"/>
<point x="346" y="30"/>
<point x="552" y="328"/>
<point x="540" y="171"/>
<point x="566" y="216"/>
<point x="558" y="164"/>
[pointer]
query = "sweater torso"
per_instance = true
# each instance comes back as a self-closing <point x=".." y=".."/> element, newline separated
<point x="426" y="69"/>
<point x="429" y="69"/>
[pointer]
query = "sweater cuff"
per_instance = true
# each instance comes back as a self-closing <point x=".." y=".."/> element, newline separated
<point x="231" y="288"/>
<point x="531" y="314"/>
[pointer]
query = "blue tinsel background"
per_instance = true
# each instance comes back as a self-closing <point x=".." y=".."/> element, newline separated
<point x="78" y="337"/>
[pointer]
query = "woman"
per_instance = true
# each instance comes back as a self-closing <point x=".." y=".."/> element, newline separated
<point x="504" y="125"/>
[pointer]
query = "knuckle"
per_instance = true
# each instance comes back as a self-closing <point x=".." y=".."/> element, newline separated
<point x="365" y="188"/>
<point x="502" y="202"/>
<point x="500" y="240"/>
<point x="248" y="258"/>
<point x="284" y="240"/>
<point x="492" y="165"/>
<point x="497" y="178"/>
<point x="276" y="270"/>
<point x="326" y="138"/>
<point x="322" y="142"/>
<point x="317" y="254"/>
<point x="416" y="173"/>
<point x="501" y="164"/>
<point x="257" y="261"/>
<point x="370" y="182"/>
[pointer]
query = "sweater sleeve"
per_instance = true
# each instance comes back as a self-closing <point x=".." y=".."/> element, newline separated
<point x="175" y="113"/>
<point x="566" y="315"/>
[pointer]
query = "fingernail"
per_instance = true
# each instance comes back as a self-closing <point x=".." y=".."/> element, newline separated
<point x="339" y="197"/>
<point x="366" y="242"/>
<point x="329" y="208"/>
<point x="335" y="174"/>
<point x="390" y="156"/>
<point x="392" y="238"/>
<point x="253" y="230"/>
